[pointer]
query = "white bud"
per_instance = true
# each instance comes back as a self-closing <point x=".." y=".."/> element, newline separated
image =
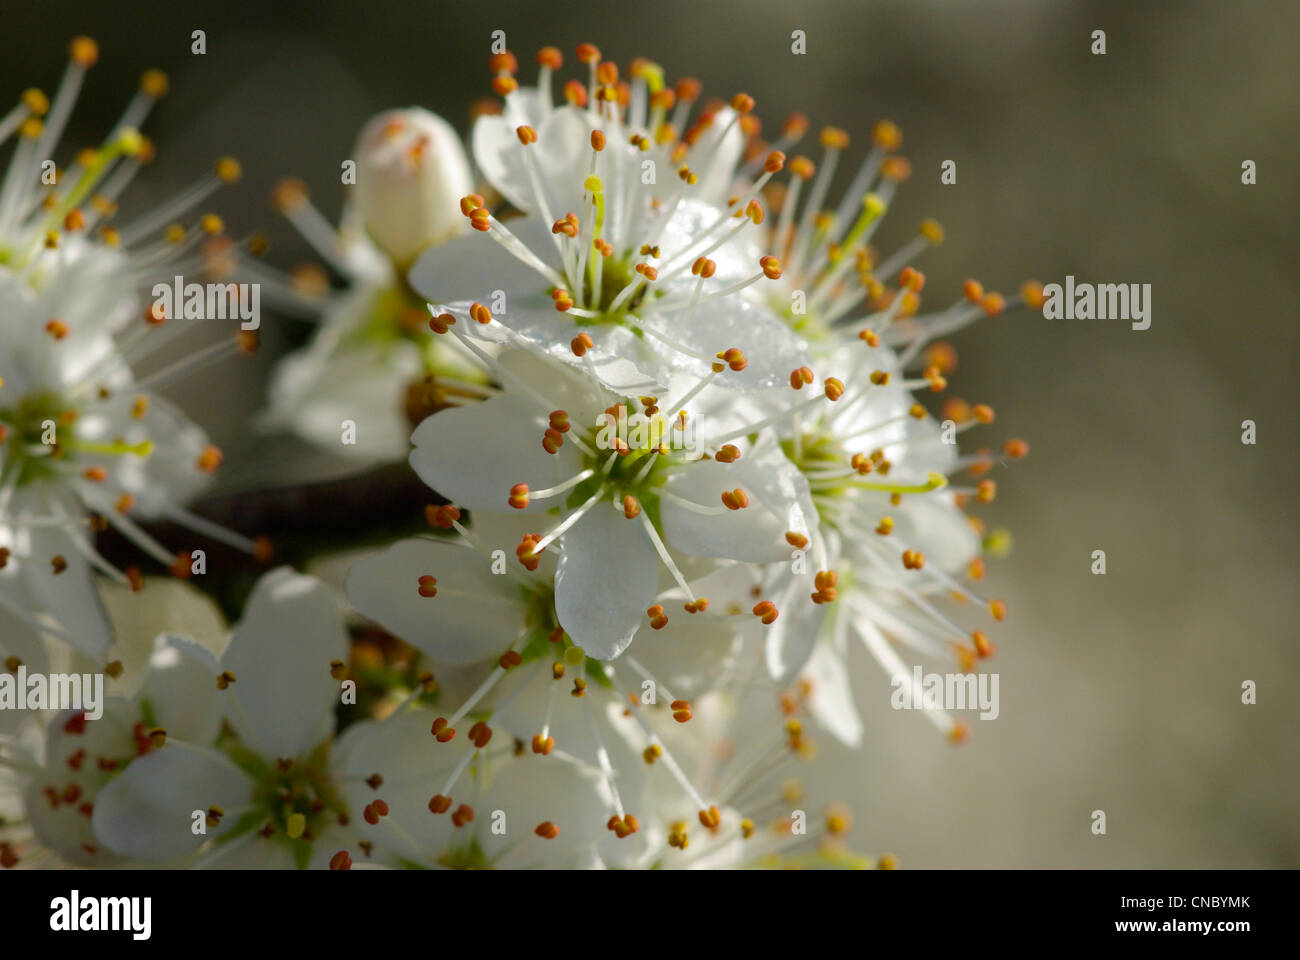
<point x="411" y="173"/>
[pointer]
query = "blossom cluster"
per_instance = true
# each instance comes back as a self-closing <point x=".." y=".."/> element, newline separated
<point x="666" y="394"/>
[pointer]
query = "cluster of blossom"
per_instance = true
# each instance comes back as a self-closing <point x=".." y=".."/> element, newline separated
<point x="679" y="463"/>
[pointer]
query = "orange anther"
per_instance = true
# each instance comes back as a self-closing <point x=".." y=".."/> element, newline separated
<point x="519" y="496"/>
<point x="503" y="62"/>
<point x="728" y="453"/>
<point x="209" y="460"/>
<point x="658" y="619"/>
<point x="575" y="93"/>
<point x="912" y="279"/>
<point x="1016" y="449"/>
<point x="735" y="499"/>
<point x="887" y="135"/>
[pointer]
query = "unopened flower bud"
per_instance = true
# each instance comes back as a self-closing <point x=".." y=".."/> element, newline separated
<point x="411" y="172"/>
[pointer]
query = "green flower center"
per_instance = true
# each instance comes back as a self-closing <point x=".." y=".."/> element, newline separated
<point x="294" y="800"/>
<point x="40" y="433"/>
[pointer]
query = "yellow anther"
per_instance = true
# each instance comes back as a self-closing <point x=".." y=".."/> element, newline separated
<point x="154" y="83"/>
<point x="36" y="102"/>
<point x="228" y="170"/>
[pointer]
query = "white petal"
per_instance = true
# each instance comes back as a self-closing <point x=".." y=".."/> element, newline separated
<point x="778" y="502"/>
<point x="624" y="362"/>
<point x="789" y="640"/>
<point x="474" y="454"/>
<point x="531" y="789"/>
<point x="831" y="701"/>
<point x="561" y="149"/>
<point x="605" y="580"/>
<point x="475" y="614"/>
<point x="691" y="653"/>
<point x="145" y="813"/>
<point x="180" y="691"/>
<point x="166" y="605"/>
<point x="280" y="655"/>
<point x="69" y="598"/>
<point x="770" y="348"/>
<point x="935" y="525"/>
<point x="339" y="377"/>
<point x="414" y="767"/>
<point x="19" y="640"/>
<point x="472" y="267"/>
<point x="248" y="852"/>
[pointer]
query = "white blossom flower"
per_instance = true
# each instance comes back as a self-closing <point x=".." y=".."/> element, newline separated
<point x="372" y="360"/>
<point x="598" y="754"/>
<point x="176" y="698"/>
<point x="626" y="261"/>
<point x="80" y="437"/>
<point x="624" y="502"/>
<point x="892" y="538"/>
<point x="268" y="789"/>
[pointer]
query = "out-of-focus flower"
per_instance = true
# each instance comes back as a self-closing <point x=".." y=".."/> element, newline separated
<point x="83" y="443"/>
<point x="892" y="539"/>
<point x="373" y="361"/>
<point x="268" y="788"/>
<point x="176" y="699"/>
<point x="410" y="170"/>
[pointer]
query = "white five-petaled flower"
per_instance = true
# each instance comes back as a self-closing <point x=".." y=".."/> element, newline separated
<point x="892" y="539"/>
<point x="551" y="442"/>
<point x="266" y="794"/>
<point x="555" y="757"/>
<point x="630" y="257"/>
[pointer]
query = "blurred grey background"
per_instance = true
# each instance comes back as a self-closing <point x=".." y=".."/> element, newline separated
<point x="1120" y="693"/>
